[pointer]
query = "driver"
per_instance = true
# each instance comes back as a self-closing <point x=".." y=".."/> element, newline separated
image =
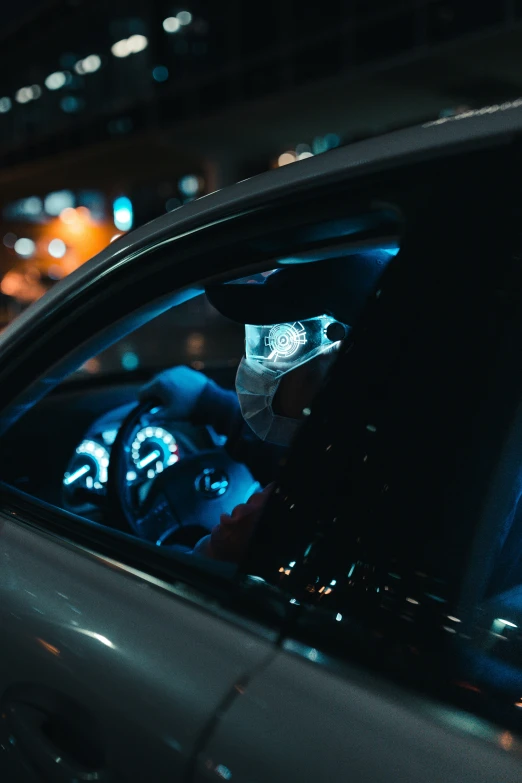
<point x="284" y="365"/>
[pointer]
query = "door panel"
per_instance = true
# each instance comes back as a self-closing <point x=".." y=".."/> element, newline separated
<point x="102" y="667"/>
<point x="298" y="721"/>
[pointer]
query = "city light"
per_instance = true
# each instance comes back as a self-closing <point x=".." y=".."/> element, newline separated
<point x="130" y="361"/>
<point x="121" y="48"/>
<point x="56" y="202"/>
<point x="56" y="80"/>
<point x="122" y="213"/>
<point x="31" y="206"/>
<point x="160" y="73"/>
<point x="324" y="143"/>
<point x="24" y="247"/>
<point x="184" y="17"/>
<point x="189" y="185"/>
<point x="137" y="43"/>
<point x="5" y="105"/>
<point x="132" y="45"/>
<point x="89" y="64"/>
<point x="57" y="248"/>
<point x="286" y="157"/>
<point x="26" y="94"/>
<point x="70" y="104"/>
<point x="171" y="24"/>
<point x="68" y="216"/>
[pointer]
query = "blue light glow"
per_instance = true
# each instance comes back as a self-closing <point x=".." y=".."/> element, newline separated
<point x="123" y="213"/>
<point x="70" y="104"/>
<point x="154" y="455"/>
<point x="56" y="202"/>
<point x="160" y="73"/>
<point x="506" y="622"/>
<point x="130" y="361"/>
<point x="76" y="475"/>
<point x="189" y="185"/>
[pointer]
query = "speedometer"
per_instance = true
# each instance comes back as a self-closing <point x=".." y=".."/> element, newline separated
<point x="88" y="467"/>
<point x="153" y="449"/>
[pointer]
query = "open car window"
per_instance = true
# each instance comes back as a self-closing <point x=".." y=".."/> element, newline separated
<point x="193" y="333"/>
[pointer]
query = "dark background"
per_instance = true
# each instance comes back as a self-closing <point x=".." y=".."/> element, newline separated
<point x="208" y="94"/>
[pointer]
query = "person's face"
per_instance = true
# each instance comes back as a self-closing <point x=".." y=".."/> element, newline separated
<point x="299" y="387"/>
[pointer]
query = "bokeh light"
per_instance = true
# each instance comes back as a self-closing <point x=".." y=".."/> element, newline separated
<point x="57" y="248"/>
<point x="171" y="24"/>
<point x="24" y="247"/>
<point x="184" y="17"/>
<point x="286" y="157"/>
<point x="160" y="73"/>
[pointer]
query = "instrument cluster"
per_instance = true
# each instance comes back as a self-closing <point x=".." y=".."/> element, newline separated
<point x="85" y="481"/>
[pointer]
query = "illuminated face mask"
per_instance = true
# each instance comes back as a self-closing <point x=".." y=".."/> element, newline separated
<point x="270" y="353"/>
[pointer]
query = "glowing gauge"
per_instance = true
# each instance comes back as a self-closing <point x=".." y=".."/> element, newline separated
<point x="284" y="340"/>
<point x="88" y="467"/>
<point x="153" y="449"/>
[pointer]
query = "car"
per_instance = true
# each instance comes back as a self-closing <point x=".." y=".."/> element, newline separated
<point x="372" y="631"/>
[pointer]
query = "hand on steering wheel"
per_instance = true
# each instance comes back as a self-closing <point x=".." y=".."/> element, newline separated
<point x="177" y="390"/>
<point x="185" y="500"/>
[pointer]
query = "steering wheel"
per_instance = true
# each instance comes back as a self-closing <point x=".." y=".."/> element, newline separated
<point x="183" y="502"/>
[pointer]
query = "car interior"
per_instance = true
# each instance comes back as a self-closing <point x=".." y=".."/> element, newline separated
<point x="130" y="466"/>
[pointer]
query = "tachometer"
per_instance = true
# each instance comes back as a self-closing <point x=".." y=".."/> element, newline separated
<point x="153" y="449"/>
<point x="88" y="467"/>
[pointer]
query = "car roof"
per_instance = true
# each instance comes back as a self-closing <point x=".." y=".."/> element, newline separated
<point x="443" y="137"/>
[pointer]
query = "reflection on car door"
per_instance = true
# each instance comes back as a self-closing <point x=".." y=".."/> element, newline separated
<point x="300" y="721"/>
<point x="101" y="670"/>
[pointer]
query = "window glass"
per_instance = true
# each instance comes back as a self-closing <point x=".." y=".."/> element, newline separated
<point x="193" y="333"/>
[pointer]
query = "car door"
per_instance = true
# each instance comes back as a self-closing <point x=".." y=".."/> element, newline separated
<point x="107" y="673"/>
<point x="392" y="667"/>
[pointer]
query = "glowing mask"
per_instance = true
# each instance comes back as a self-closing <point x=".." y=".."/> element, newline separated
<point x="271" y="352"/>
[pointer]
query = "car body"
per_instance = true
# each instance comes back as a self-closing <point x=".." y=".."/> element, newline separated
<point x="371" y="631"/>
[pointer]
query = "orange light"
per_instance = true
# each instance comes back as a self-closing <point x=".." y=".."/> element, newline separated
<point x="506" y="740"/>
<point x="68" y="215"/>
<point x="49" y="647"/>
<point x="286" y="158"/>
<point x="281" y="570"/>
<point x="468" y="686"/>
<point x="92" y="366"/>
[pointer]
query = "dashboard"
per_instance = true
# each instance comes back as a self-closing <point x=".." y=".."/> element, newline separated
<point x="153" y="448"/>
<point x="59" y="451"/>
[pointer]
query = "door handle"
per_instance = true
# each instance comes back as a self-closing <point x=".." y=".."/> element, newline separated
<point x="54" y="736"/>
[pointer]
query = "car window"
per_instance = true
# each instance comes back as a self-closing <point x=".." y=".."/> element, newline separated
<point x="193" y="333"/>
<point x="175" y="463"/>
